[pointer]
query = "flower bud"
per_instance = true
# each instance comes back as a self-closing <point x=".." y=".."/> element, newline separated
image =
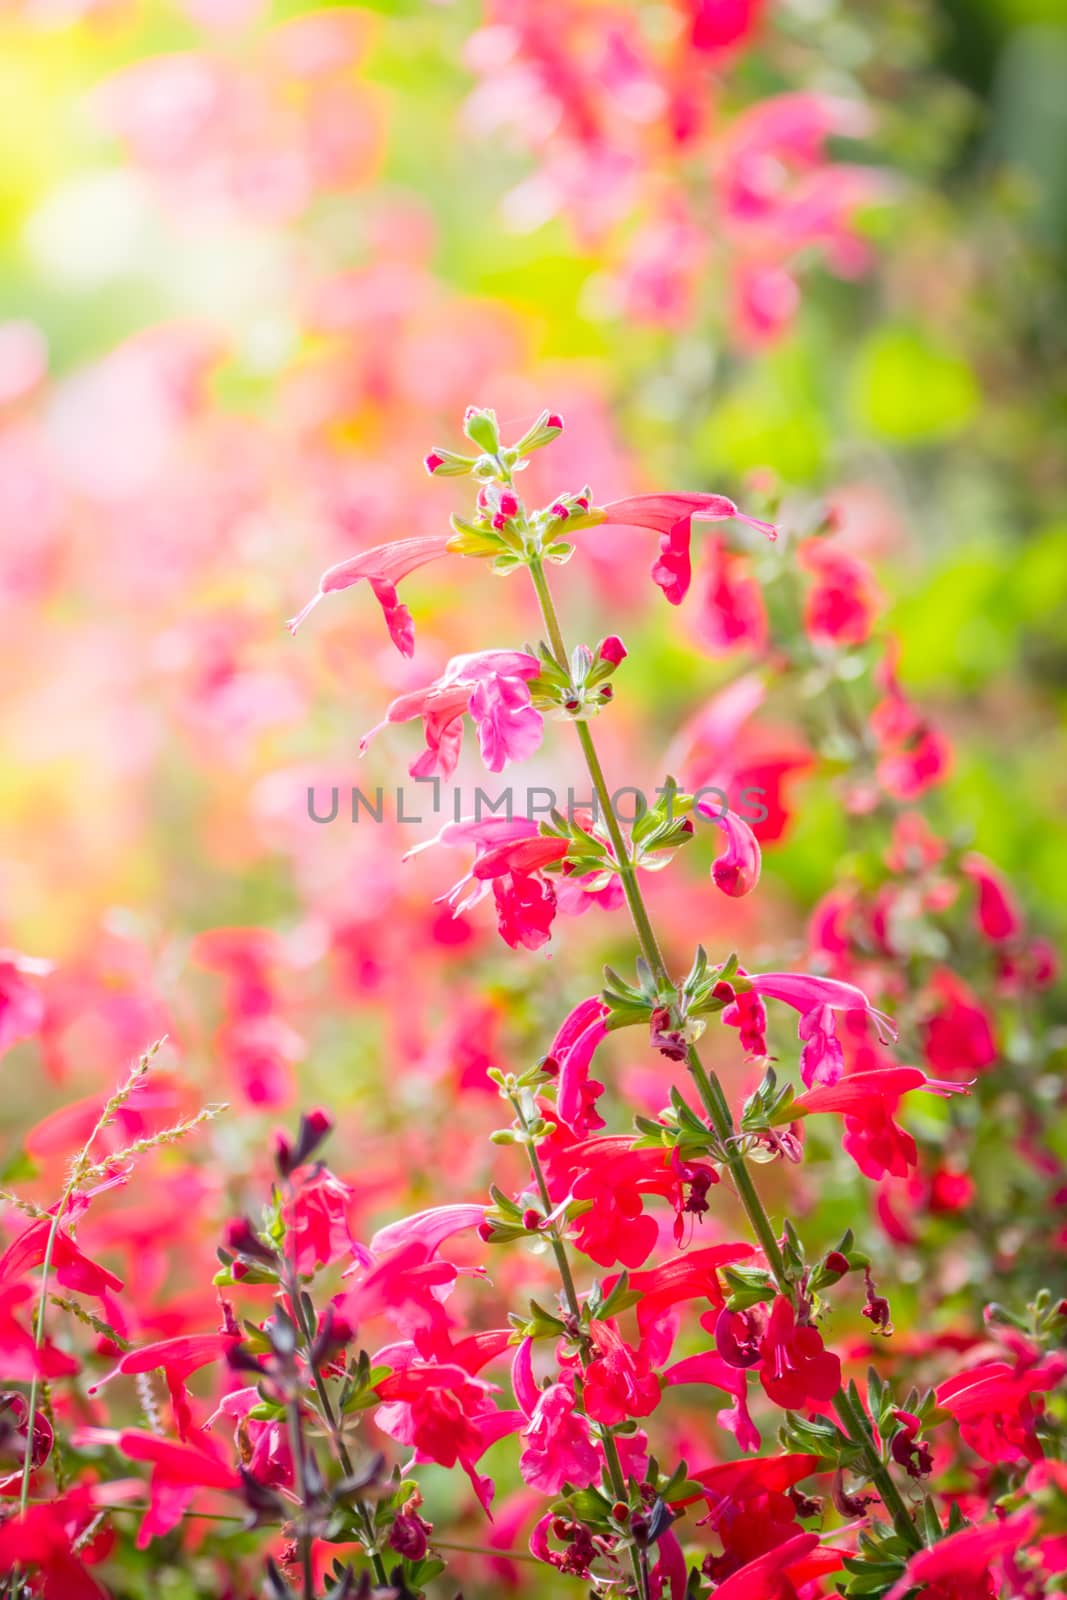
<point x="480" y="427"/>
<point x="242" y="1239"/>
<point x="612" y="649"/>
<point x="548" y="426"/>
<point x="446" y="464"/>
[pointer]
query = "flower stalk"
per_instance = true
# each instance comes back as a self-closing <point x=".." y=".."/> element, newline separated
<point x="709" y="1088"/>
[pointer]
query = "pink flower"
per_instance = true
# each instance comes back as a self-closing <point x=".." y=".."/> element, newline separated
<point x="672" y="516"/>
<point x="736" y="872"/>
<point x="572" y="1052"/>
<point x="271" y="1459"/>
<point x="732" y="613"/>
<point x="383" y="567"/>
<point x="821" y="1060"/>
<point x="841" y="603"/>
<point x="428" y="1228"/>
<point x="867" y="1100"/>
<point x="914" y="755"/>
<point x="997" y="915"/>
<point x="316" y="1221"/>
<point x="178" y="1358"/>
<point x="996" y="1409"/>
<point x="21" y="1002"/>
<point x="611" y="650"/>
<point x="22" y="1358"/>
<point x="959" y="1567"/>
<point x="406" y="1280"/>
<point x="619" y="1384"/>
<point x="41" y="1539"/>
<point x="509" y="861"/>
<point x="491" y="686"/>
<point x="719" y="26"/>
<point x="71" y="1267"/>
<point x="957" y="1036"/>
<point x="747" y="1013"/>
<point x="441" y="1408"/>
<point x="558" y="1446"/>
<point x="178" y="1471"/>
<point x="795" y="1369"/>
<point x="765" y="298"/>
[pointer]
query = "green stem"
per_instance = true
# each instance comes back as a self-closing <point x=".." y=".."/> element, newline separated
<point x="854" y="1418"/>
<point x="708" y="1087"/>
<point x="559" y="1249"/>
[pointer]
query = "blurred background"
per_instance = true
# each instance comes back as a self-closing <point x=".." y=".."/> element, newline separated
<point x="255" y="262"/>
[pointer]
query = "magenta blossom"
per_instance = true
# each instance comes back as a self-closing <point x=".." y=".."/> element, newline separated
<point x="736" y="872"/>
<point x="491" y="686"/>
<point x="383" y="567"/>
<point x="671" y="516"/>
<point x="21" y="1002"/>
<point x="572" y="1051"/>
<point x="557" y="1443"/>
<point x="441" y="1408"/>
<point x="997" y="915"/>
<point x="510" y="860"/>
<point x="868" y="1101"/>
<point x="821" y="1060"/>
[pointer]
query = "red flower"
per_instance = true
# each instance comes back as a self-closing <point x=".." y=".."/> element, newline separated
<point x="795" y="1369"/>
<point x="996" y="1410"/>
<point x="41" y="1539"/>
<point x="842" y="602"/>
<point x="749" y="1508"/>
<point x="671" y="516"/>
<point x="71" y="1267"/>
<point x="614" y="1178"/>
<point x="618" y="1381"/>
<point x="960" y="1566"/>
<point x="178" y="1358"/>
<point x="957" y="1036"/>
<point x="783" y="1573"/>
<point x="383" y="567"/>
<point x="867" y="1100"/>
<point x="178" y="1471"/>
<point x="997" y="915"/>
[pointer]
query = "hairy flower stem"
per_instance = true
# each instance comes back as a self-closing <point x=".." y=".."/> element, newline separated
<point x="574" y="1306"/>
<point x="707" y="1083"/>
<point x="854" y="1420"/>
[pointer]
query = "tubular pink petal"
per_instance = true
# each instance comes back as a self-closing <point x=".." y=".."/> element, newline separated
<point x="383" y="567"/>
